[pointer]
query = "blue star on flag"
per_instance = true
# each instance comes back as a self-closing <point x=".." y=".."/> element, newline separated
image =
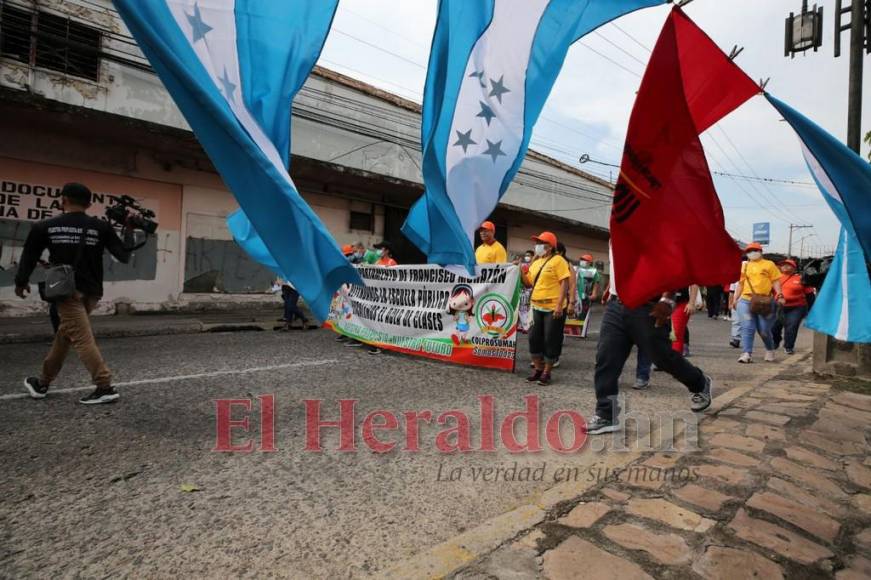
<point x="494" y="150"/>
<point x="229" y="87"/>
<point x="464" y="140"/>
<point x="200" y="28"/>
<point x="486" y="112"/>
<point x="498" y="88"/>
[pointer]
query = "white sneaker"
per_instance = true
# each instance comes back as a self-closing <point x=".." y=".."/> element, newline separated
<point x="769" y="356"/>
<point x="745" y="358"/>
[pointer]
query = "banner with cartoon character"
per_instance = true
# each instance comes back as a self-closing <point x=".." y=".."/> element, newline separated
<point x="432" y="312"/>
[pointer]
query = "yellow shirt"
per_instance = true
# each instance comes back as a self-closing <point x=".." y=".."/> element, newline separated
<point x="761" y="274"/>
<point x="547" y="290"/>
<point x="491" y="253"/>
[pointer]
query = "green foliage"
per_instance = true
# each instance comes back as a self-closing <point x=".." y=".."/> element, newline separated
<point x="868" y="141"/>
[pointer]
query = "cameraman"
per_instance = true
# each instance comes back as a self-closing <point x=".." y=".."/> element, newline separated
<point x="61" y="235"/>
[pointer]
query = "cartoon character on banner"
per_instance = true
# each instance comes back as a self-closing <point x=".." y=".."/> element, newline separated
<point x="341" y="305"/>
<point x="460" y="305"/>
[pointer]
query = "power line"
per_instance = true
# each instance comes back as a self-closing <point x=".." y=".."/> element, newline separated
<point x="630" y="37"/>
<point x="620" y="48"/>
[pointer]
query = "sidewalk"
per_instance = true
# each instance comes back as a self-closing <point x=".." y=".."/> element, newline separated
<point x="780" y="489"/>
<point x="38" y="328"/>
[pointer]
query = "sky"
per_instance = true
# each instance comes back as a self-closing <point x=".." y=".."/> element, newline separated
<point x="386" y="43"/>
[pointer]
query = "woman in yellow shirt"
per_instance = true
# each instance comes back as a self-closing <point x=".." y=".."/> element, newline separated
<point x="548" y="277"/>
<point x="758" y="276"/>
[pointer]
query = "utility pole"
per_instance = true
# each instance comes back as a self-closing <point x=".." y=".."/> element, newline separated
<point x="860" y="13"/>
<point x="793" y="227"/>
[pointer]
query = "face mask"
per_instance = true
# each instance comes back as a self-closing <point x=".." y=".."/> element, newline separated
<point x="583" y="263"/>
<point x="358" y="254"/>
<point x="380" y="253"/>
<point x="527" y="259"/>
<point x="540" y="249"/>
<point x="754" y="255"/>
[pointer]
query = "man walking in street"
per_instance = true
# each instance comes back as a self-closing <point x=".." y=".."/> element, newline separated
<point x="589" y="283"/>
<point x="78" y="240"/>
<point x="490" y="251"/>
<point x="648" y="328"/>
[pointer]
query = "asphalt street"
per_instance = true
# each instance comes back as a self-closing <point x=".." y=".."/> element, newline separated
<point x="97" y="491"/>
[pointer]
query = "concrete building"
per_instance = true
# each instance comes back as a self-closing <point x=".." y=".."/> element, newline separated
<point x="78" y="102"/>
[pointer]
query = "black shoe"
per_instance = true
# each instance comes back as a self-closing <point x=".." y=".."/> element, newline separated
<point x="35" y="387"/>
<point x="341" y="338"/>
<point x="100" y="395"/>
<point x="597" y="425"/>
<point x="374" y="351"/>
<point x="534" y="377"/>
<point x="735" y="343"/>
<point x="701" y="401"/>
<point x="544" y="379"/>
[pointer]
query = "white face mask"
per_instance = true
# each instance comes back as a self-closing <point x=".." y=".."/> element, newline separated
<point x="583" y="263"/>
<point x="527" y="258"/>
<point x="754" y="256"/>
<point x="540" y="249"/>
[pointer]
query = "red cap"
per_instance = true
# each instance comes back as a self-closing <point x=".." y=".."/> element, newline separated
<point x="753" y="246"/>
<point x="791" y="262"/>
<point x="587" y="258"/>
<point x="488" y="226"/>
<point x="347" y="249"/>
<point x="545" y="238"/>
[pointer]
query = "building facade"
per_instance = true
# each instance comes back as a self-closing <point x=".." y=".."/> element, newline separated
<point x="79" y="102"/>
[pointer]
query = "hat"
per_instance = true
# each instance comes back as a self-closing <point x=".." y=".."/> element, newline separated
<point x="587" y="257"/>
<point x="753" y="246"/>
<point x="789" y="261"/>
<point x="77" y="192"/>
<point x="488" y="226"/>
<point x="545" y="238"/>
<point x="347" y="249"/>
<point x="385" y="245"/>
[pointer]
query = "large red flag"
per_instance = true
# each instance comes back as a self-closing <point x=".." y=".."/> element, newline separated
<point x="667" y="225"/>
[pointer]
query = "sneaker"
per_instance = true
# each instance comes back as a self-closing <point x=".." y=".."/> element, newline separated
<point x="532" y="365"/>
<point x="35" y="387"/>
<point x="789" y="351"/>
<point x="735" y="343"/>
<point x="354" y="344"/>
<point x="597" y="425"/>
<point x="641" y="384"/>
<point x="686" y="352"/>
<point x="745" y="358"/>
<point x="701" y="401"/>
<point x="374" y="351"/>
<point x="100" y="395"/>
<point x="534" y="377"/>
<point x="556" y="364"/>
<point x="341" y="338"/>
<point x="544" y="380"/>
<point x="769" y="356"/>
<point x="654" y="368"/>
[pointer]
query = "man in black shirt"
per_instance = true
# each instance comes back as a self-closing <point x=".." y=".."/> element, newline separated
<point x="61" y="235"/>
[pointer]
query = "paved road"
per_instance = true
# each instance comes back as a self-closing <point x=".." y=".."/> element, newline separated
<point x="96" y="491"/>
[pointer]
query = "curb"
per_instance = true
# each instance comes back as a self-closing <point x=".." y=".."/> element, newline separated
<point x="452" y="555"/>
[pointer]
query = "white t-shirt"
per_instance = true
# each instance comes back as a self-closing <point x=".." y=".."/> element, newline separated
<point x="611" y="271"/>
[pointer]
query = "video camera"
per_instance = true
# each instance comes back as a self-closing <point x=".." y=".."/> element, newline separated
<point x="125" y="211"/>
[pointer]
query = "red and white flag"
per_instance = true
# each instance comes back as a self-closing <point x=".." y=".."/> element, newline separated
<point x="667" y="225"/>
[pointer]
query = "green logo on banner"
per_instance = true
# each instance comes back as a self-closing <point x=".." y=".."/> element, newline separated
<point x="494" y="314"/>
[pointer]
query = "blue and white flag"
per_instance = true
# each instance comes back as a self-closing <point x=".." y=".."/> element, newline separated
<point x="843" y="176"/>
<point x="232" y="67"/>
<point x="493" y="64"/>
<point x="843" y="307"/>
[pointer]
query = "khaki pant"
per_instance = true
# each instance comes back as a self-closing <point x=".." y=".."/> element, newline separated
<point x="75" y="330"/>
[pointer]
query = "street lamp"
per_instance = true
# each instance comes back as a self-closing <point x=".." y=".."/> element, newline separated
<point x="804" y="31"/>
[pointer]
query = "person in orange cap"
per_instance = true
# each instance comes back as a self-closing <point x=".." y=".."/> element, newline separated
<point x="760" y="279"/>
<point x="347" y="250"/>
<point x="589" y="286"/>
<point x="797" y="299"/>
<point x="490" y="251"/>
<point x="548" y="277"/>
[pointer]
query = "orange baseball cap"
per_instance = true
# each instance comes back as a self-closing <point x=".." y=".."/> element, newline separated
<point x="587" y="257"/>
<point x="545" y="238"/>
<point x="753" y="246"/>
<point x="488" y="226"/>
<point x="347" y="249"/>
<point x="791" y="262"/>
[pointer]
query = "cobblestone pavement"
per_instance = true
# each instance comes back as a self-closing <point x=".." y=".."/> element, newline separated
<point x="780" y="489"/>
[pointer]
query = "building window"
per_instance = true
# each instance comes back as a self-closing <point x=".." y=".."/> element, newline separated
<point x="67" y="46"/>
<point x="361" y="221"/>
<point x="15" y="33"/>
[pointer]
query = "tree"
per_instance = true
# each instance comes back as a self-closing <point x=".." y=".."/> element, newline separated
<point x="868" y="141"/>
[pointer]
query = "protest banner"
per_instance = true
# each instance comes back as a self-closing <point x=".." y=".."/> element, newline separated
<point x="435" y="313"/>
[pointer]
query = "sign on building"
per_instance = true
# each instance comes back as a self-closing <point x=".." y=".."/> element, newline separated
<point x="762" y="233"/>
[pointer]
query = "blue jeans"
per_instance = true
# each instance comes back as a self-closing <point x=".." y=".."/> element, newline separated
<point x="643" y="366"/>
<point x="792" y="317"/>
<point x="753" y="323"/>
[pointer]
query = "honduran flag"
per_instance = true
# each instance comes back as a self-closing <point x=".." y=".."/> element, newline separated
<point x="493" y="64"/>
<point x="233" y="67"/>
<point x="843" y="308"/>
